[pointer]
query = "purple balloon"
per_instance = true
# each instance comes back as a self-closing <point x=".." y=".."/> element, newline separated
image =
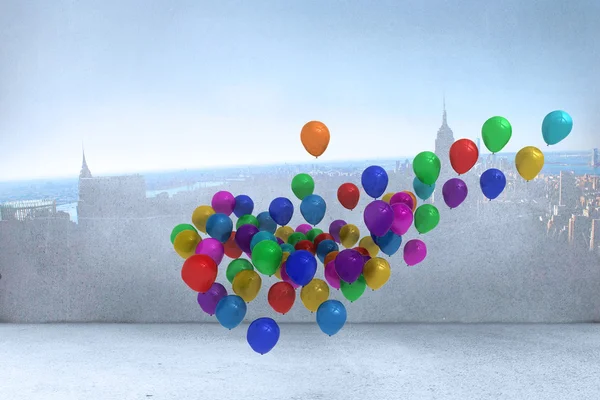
<point x="303" y="228"/>
<point x="223" y="202"/>
<point x="402" y="197"/>
<point x="243" y="237"/>
<point x="378" y="217"/>
<point x="280" y="241"/>
<point x="415" y="251"/>
<point x="349" y="265"/>
<point x="455" y="191"/>
<point x="403" y="218"/>
<point x="335" y="227"/>
<point x="212" y="248"/>
<point x="208" y="301"/>
<point x="331" y="275"/>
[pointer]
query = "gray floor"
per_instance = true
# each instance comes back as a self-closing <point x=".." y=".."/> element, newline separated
<point x="383" y="362"/>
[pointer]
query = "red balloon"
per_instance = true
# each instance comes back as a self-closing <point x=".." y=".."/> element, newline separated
<point x="306" y="245"/>
<point x="463" y="155"/>
<point x="281" y="297"/>
<point x="199" y="272"/>
<point x="231" y="248"/>
<point x="321" y="237"/>
<point x="362" y="251"/>
<point x="348" y="194"/>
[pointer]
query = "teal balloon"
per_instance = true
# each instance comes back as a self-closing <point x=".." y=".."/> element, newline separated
<point x="556" y="126"/>
<point x="265" y="222"/>
<point x="313" y="209"/>
<point x="231" y="311"/>
<point x="422" y="190"/>
<point x="331" y="316"/>
<point x="219" y="226"/>
<point x="325" y="247"/>
<point x="260" y="236"/>
<point x="286" y="247"/>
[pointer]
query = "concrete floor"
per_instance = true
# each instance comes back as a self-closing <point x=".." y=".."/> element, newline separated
<point x="122" y="362"/>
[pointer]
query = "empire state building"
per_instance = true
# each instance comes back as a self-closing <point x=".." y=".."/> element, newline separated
<point x="443" y="142"/>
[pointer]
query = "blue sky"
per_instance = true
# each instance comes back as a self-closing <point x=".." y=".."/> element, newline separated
<point x="151" y="85"/>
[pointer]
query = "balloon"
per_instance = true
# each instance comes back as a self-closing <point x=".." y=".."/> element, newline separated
<point x="321" y="237"/>
<point x="231" y="248"/>
<point x="284" y="232"/>
<point x="281" y="297"/>
<point x="219" y="226"/>
<point x="246" y="284"/>
<point x="313" y="233"/>
<point x="313" y="209"/>
<point x="287" y="248"/>
<point x="296" y="237"/>
<point x="496" y="132"/>
<point x="263" y="335"/>
<point x="413" y="197"/>
<point x="415" y="251"/>
<point x="377" y="272"/>
<point x="285" y="277"/>
<point x="348" y="195"/>
<point x="326" y="247"/>
<point x="349" y="264"/>
<point x="303" y="185"/>
<point x="331" y="317"/>
<point x="330" y="257"/>
<point x="200" y="216"/>
<point x="208" y="301"/>
<point x="237" y="266"/>
<point x="369" y="244"/>
<point x="492" y="183"/>
<point x="334" y="229"/>
<point x="223" y="202"/>
<point x="529" y="162"/>
<point x="364" y="252"/>
<point x="244" y="235"/>
<point x="279" y="241"/>
<point x="378" y="217"/>
<point x="463" y="155"/>
<point x="260" y="236"/>
<point x="247" y="220"/>
<point x="422" y="190"/>
<point x="281" y="210"/>
<point x="314" y="294"/>
<point x="349" y="235"/>
<point x="266" y="257"/>
<point x="353" y="291"/>
<point x="231" y="311"/>
<point x="403" y="219"/>
<point x="403" y="198"/>
<point x="331" y="275"/>
<point x="427" y="167"/>
<point x="315" y="138"/>
<point x="212" y="248"/>
<point x="556" y="126"/>
<point x="185" y="243"/>
<point x="455" y="191"/>
<point x="265" y="222"/>
<point x="303" y="228"/>
<point x="306" y="245"/>
<point x="386" y="197"/>
<point x="374" y="180"/>
<point x="199" y="272"/>
<point x="243" y="205"/>
<point x="301" y="267"/>
<point x="388" y="243"/>
<point x="427" y="217"/>
<point x="180" y="228"/>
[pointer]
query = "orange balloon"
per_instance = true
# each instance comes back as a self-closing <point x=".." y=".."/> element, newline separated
<point x="315" y="137"/>
<point x="330" y="257"/>
<point x="414" y="198"/>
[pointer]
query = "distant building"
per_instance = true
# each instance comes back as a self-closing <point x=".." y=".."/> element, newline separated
<point x="567" y="194"/>
<point x="595" y="158"/>
<point x="27" y="209"/>
<point x="595" y="235"/>
<point x="478" y="143"/>
<point x="443" y="142"/>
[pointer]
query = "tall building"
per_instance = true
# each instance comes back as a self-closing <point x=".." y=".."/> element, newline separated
<point x="478" y="143"/>
<point x="595" y="158"/>
<point x="595" y="235"/>
<point x="85" y="171"/>
<point x="567" y="190"/>
<point x="443" y="142"/>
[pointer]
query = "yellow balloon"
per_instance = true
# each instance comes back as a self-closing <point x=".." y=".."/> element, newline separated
<point x="529" y="162"/>
<point x="185" y="243"/>
<point x="200" y="216"/>
<point x="376" y="272"/>
<point x="368" y="243"/>
<point x="246" y="284"/>
<point x="387" y="197"/>
<point x="284" y="232"/>
<point x="349" y="235"/>
<point x="314" y="294"/>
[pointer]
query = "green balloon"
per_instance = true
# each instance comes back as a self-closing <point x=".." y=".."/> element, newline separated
<point x="296" y="237"/>
<point x="353" y="291"/>
<point x="427" y="217"/>
<point x="313" y="233"/>
<point x="427" y="166"/>
<point x="496" y="132"/>
<point x="303" y="185"/>
<point x="247" y="220"/>
<point x="266" y="257"/>
<point x="236" y="266"/>
<point x="180" y="228"/>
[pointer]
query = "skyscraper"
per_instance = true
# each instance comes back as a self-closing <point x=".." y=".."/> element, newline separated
<point x="567" y="195"/>
<point x="443" y="142"/>
<point x="478" y="143"/>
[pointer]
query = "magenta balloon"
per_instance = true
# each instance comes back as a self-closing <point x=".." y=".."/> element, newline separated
<point x="454" y="191"/>
<point x="404" y="198"/>
<point x="349" y="265"/>
<point x="286" y="278"/>
<point x="303" y="228"/>
<point x="334" y="229"/>
<point x="244" y="235"/>
<point x="223" y="202"/>
<point x="208" y="301"/>
<point x="403" y="218"/>
<point x="212" y="248"/>
<point x="378" y="217"/>
<point x="331" y="276"/>
<point x="415" y="251"/>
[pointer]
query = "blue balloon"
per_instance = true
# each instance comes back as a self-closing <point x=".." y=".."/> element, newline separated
<point x="325" y="247"/>
<point x="219" y="226"/>
<point x="422" y="190"/>
<point x="556" y="126"/>
<point x="231" y="311"/>
<point x="281" y="210"/>
<point x="374" y="180"/>
<point x="286" y="247"/>
<point x="313" y="209"/>
<point x="260" y="236"/>
<point x="243" y="205"/>
<point x="263" y="335"/>
<point x="301" y="267"/>
<point x="331" y="316"/>
<point x="492" y="183"/>
<point x="389" y="243"/>
<point x="265" y="222"/>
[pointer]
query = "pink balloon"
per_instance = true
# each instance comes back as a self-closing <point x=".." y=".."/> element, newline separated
<point x="303" y="228"/>
<point x="212" y="248"/>
<point x="415" y="251"/>
<point x="402" y="197"/>
<point x="223" y="202"/>
<point x="331" y="275"/>
<point x="403" y="218"/>
<point x="285" y="277"/>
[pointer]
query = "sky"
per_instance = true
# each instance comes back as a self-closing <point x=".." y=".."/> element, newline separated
<point x="154" y="85"/>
